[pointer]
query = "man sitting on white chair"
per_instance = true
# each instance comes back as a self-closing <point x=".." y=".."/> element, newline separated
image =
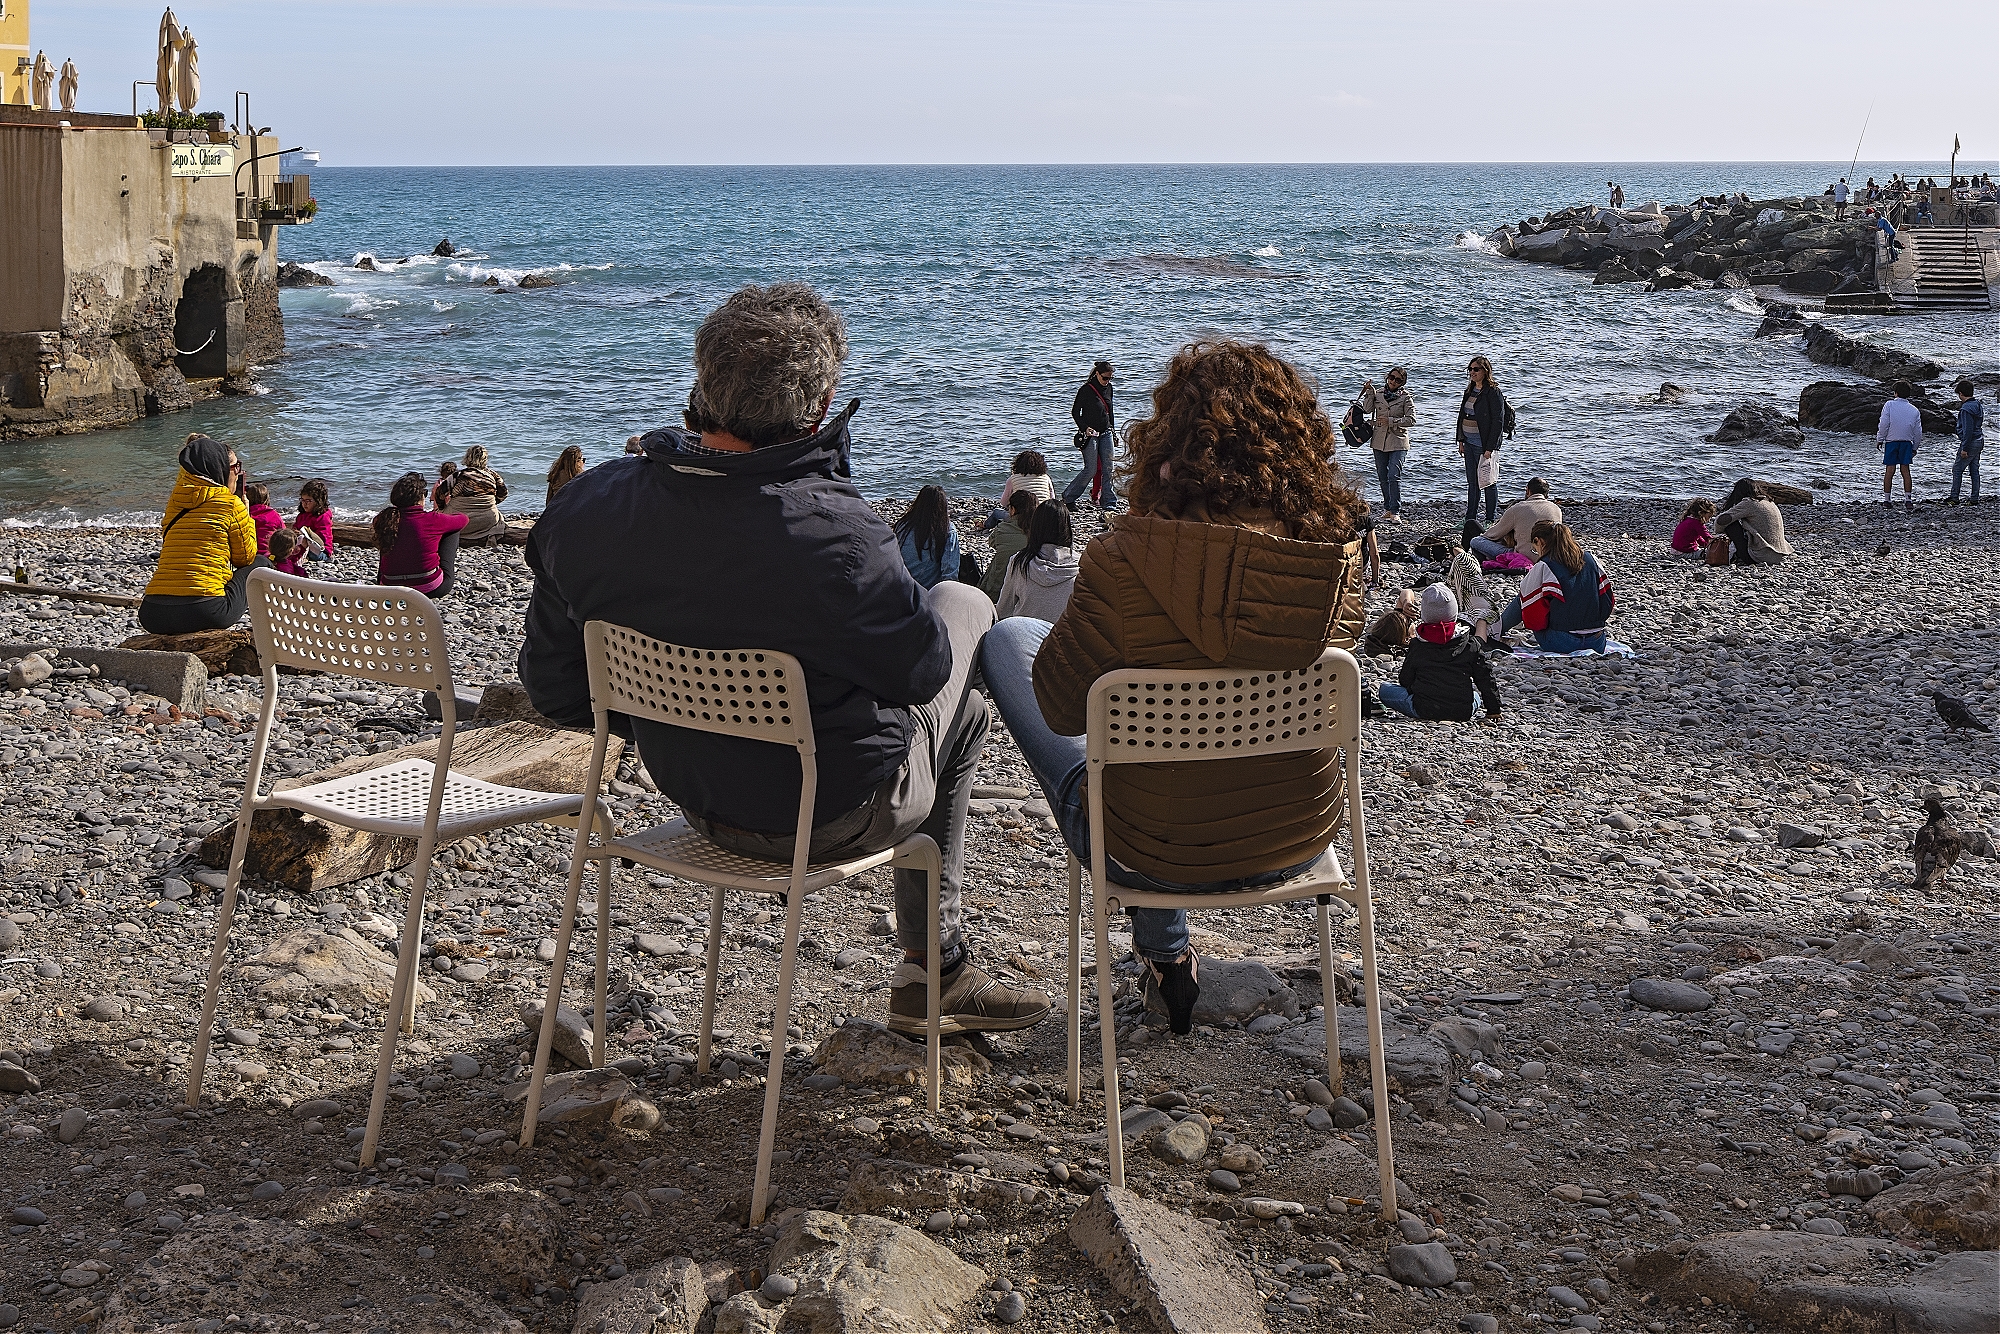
<point x="743" y="532"/>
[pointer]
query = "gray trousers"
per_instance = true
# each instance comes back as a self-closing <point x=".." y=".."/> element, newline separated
<point x="928" y="795"/>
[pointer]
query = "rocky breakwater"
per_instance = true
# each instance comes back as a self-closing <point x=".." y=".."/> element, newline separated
<point x="1793" y="244"/>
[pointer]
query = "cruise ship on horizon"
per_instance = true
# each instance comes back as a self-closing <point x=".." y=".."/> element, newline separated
<point x="301" y="161"/>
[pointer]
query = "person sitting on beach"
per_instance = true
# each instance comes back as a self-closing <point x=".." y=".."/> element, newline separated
<point x="1031" y="473"/>
<point x="257" y="497"/>
<point x="285" y="554"/>
<point x="442" y="491"/>
<point x="1754" y="525"/>
<point x="476" y="492"/>
<point x="567" y="468"/>
<point x="1009" y="538"/>
<point x="1566" y="598"/>
<point x="1511" y="531"/>
<point x="419" y="547"/>
<point x="208" y="546"/>
<point x="314" y="521"/>
<point x="1041" y="574"/>
<point x="768" y="545"/>
<point x="928" y="540"/>
<point x="1442" y="668"/>
<point x="1237" y="553"/>
<point x="1691" y="534"/>
<point x="1392" y="629"/>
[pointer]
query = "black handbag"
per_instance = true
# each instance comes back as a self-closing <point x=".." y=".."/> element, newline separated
<point x="968" y="569"/>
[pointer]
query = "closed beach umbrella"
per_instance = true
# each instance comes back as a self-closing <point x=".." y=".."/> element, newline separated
<point x="190" y="72"/>
<point x="163" y="72"/>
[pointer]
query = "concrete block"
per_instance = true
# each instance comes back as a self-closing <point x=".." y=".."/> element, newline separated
<point x="178" y="678"/>
<point x="1173" y="1267"/>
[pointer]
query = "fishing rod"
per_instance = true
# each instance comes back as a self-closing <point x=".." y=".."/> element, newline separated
<point x="1857" y="142"/>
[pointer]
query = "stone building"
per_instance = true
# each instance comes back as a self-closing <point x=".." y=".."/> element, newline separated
<point x="138" y="267"/>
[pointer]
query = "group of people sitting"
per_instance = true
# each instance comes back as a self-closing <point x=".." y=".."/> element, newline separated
<point x="1033" y="537"/>
<point x="1750" y="528"/>
<point x="1239" y="550"/>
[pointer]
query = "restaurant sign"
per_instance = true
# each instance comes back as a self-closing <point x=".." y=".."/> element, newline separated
<point x="204" y="159"/>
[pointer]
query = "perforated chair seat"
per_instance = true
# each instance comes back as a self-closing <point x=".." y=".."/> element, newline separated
<point x="1324" y="878"/>
<point x="677" y="848"/>
<point x="392" y="800"/>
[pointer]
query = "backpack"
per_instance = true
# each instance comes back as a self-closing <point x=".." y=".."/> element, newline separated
<point x="1507" y="424"/>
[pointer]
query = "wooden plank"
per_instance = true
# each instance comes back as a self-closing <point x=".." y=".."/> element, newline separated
<point x="73" y="594"/>
<point x="291" y="848"/>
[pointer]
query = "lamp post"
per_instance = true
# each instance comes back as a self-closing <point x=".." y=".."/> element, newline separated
<point x="137" y="84"/>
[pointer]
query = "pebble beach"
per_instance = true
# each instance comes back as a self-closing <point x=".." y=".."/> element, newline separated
<point x="1657" y="985"/>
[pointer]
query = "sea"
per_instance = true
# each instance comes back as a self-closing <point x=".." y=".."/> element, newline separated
<point x="976" y="299"/>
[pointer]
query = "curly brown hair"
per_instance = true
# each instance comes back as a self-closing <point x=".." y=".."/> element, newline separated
<point x="1234" y="429"/>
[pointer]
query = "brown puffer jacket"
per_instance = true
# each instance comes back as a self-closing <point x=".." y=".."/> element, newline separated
<point x="1173" y="593"/>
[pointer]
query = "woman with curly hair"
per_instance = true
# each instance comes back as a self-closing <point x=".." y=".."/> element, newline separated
<point x="1239" y="551"/>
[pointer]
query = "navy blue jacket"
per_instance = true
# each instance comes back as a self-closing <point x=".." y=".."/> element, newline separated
<point x="772" y="549"/>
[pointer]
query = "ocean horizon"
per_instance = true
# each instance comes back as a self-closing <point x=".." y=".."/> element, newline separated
<point x="977" y="297"/>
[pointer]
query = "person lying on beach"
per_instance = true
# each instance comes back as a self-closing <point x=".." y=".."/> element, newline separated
<point x="1691" y="534"/>
<point x="753" y="537"/>
<point x="1237" y="553"/>
<point x="208" y="546"/>
<point x="1442" y="668"/>
<point x="1511" y="531"/>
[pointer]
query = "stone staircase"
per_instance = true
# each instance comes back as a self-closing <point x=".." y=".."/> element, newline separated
<point x="1950" y="275"/>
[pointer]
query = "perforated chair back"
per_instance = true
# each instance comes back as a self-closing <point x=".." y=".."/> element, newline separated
<point x="752" y="693"/>
<point x="391" y="635"/>
<point x="1155" y="715"/>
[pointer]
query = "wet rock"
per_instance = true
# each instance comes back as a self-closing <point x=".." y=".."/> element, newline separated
<point x="1830" y="347"/>
<point x="1663" y="994"/>
<point x="1176" y="1270"/>
<point x="1757" y="421"/>
<point x="298" y="275"/>
<point x="667" y="1298"/>
<point x="861" y="1052"/>
<point x="1429" y="1265"/>
<point x="856" y="1275"/>
<point x="1836" y="405"/>
<point x="1960" y="1204"/>
<point x="530" y="281"/>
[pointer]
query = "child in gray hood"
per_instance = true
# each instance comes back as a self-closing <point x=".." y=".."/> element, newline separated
<point x="1041" y="574"/>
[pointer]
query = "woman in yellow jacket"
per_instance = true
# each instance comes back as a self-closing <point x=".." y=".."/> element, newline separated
<point x="208" y="546"/>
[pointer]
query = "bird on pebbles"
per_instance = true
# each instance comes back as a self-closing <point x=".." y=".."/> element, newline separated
<point x="1955" y="713"/>
<point x="1937" y="846"/>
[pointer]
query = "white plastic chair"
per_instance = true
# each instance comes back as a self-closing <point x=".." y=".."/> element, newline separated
<point x="395" y="636"/>
<point x="761" y="696"/>
<point x="1155" y="716"/>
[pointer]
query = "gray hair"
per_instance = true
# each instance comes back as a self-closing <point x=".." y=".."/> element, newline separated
<point x="765" y="362"/>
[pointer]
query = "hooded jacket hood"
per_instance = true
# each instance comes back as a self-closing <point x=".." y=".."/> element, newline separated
<point x="1250" y="598"/>
<point x="825" y="451"/>
<point x="1053" y="566"/>
<point x="207" y="459"/>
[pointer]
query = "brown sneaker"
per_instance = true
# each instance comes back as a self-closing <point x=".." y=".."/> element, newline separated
<point x="972" y="1002"/>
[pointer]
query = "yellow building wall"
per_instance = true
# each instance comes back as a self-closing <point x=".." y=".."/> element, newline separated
<point x="15" y="88"/>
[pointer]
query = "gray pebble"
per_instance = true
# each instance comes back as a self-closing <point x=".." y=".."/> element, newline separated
<point x="939" y="1221"/>
<point x="1011" y="1307"/>
<point x="267" y="1190"/>
<point x="1347" y="1113"/>
<point x="27" y="1215"/>
<point x="136" y="1201"/>
<point x="464" y="1066"/>
<point x="74" y="1122"/>
<point x="779" y="1287"/>
<point x="1224" y="1180"/>
<point x="1568" y="1297"/>
<point x="1427" y="1266"/>
<point x="242" y="1037"/>
<point x="10" y="1315"/>
<point x="48" y="968"/>
<point x="1662" y="994"/>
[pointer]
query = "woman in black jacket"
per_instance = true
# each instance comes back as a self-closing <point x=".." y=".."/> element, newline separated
<point x="1482" y="419"/>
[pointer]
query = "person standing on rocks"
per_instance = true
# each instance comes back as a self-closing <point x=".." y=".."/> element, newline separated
<point x="1482" y="419"/>
<point x="1971" y="428"/>
<point x="1239" y="553"/>
<point x="1840" y="198"/>
<point x="1092" y="413"/>
<point x="755" y="538"/>
<point x="1899" y="432"/>
<point x="1617" y="194"/>
<point x="208" y="546"/>
<point x="1393" y="413"/>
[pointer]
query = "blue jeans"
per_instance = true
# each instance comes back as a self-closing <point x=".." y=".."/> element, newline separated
<point x="1967" y="460"/>
<point x="1549" y="641"/>
<point x="1472" y="489"/>
<point x="1393" y="696"/>
<point x="1389" y="472"/>
<point x="1487" y="549"/>
<point x="1007" y="662"/>
<point x="1096" y="454"/>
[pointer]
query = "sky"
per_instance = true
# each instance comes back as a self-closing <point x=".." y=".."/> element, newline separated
<point x="975" y="81"/>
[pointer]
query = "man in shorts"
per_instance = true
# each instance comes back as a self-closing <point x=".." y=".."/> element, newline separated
<point x="1898" y="432"/>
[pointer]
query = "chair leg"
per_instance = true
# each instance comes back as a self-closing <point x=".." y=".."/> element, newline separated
<point x="600" y="1021"/>
<point x="402" y="1006"/>
<point x="1329" y="997"/>
<point x="199" y="1060"/>
<point x="708" y="985"/>
<point x="1385" y="1159"/>
<point x="1075" y="992"/>
<point x="774" y="1079"/>
<point x="552" y="1003"/>
<point x="1107" y="1028"/>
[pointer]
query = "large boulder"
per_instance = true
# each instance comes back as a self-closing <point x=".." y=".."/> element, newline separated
<point x="1817" y="259"/>
<point x="1959" y="1203"/>
<point x="298" y="275"/>
<point x="1673" y="280"/>
<point x="1811" y="282"/>
<point x="1757" y="421"/>
<point x="1830" y="347"/>
<point x="1835" y="405"/>
<point x="859" y="1275"/>
<point x="1830" y="236"/>
<point x="1615" y="271"/>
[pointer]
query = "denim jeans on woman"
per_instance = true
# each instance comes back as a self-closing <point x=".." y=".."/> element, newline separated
<point x="1551" y="641"/>
<point x="1007" y="662"/>
<point x="1389" y="472"/>
<point x="1472" y="487"/>
<point x="1096" y="457"/>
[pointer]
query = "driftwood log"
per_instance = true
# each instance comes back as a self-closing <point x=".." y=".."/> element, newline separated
<point x="296" y="850"/>
<point x="73" y="594"/>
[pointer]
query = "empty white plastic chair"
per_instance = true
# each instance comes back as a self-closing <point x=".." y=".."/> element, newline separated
<point x="758" y="695"/>
<point x="394" y="636"/>
<point x="1157" y="715"/>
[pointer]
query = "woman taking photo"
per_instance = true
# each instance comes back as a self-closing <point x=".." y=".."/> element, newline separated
<point x="208" y="546"/>
<point x="476" y="491"/>
<point x="1238" y="551"/>
<point x="1482" y="420"/>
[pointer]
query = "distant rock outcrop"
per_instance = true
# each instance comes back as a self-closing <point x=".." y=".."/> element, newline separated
<point x="1757" y="421"/>
<point x="444" y="248"/>
<point x="1835" y="405"/>
<point x="298" y="275"/>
